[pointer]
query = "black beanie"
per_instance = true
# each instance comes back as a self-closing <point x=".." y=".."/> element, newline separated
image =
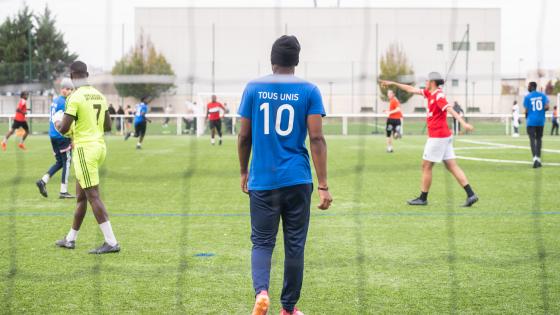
<point x="285" y="51"/>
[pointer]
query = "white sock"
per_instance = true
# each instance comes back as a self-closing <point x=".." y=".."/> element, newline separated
<point x="535" y="158"/>
<point x="212" y="141"/>
<point x="72" y="235"/>
<point x="108" y="233"/>
<point x="63" y="188"/>
<point x="45" y="178"/>
<point x="139" y="144"/>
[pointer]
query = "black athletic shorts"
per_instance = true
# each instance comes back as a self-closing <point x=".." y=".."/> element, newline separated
<point x="140" y="129"/>
<point x="20" y="124"/>
<point x="393" y="125"/>
<point x="216" y="124"/>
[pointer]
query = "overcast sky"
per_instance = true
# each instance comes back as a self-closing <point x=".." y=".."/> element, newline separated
<point x="530" y="29"/>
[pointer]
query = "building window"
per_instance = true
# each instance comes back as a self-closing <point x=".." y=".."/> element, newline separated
<point x="461" y="46"/>
<point x="439" y="47"/>
<point x="486" y="46"/>
<point x="455" y="83"/>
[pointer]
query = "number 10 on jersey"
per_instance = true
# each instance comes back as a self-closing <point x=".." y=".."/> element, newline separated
<point x="265" y="107"/>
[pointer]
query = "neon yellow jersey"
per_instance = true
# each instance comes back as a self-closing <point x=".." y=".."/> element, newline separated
<point x="88" y="106"/>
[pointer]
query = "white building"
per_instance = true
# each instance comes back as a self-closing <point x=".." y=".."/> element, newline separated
<point x="226" y="47"/>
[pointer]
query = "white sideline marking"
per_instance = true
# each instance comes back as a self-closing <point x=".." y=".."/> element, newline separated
<point x="477" y="148"/>
<point x="502" y="145"/>
<point x="503" y="161"/>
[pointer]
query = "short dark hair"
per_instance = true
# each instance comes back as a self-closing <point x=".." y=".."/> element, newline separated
<point x="532" y="86"/>
<point x="79" y="69"/>
<point x="23" y="93"/>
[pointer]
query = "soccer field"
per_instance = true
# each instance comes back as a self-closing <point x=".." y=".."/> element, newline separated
<point x="183" y="224"/>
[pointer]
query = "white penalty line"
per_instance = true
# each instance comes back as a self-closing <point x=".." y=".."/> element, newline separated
<point x="503" y="145"/>
<point x="502" y="161"/>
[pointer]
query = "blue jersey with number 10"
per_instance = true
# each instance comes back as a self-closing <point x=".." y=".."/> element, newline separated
<point x="534" y="103"/>
<point x="278" y="106"/>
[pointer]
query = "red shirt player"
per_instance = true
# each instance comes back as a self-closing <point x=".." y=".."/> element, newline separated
<point x="19" y="122"/>
<point x="439" y="146"/>
<point x="393" y="125"/>
<point x="213" y="115"/>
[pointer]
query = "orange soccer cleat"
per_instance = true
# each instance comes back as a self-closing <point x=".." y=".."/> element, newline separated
<point x="21" y="146"/>
<point x="3" y="146"/>
<point x="262" y="302"/>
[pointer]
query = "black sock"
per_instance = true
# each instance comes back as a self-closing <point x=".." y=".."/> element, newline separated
<point x="469" y="190"/>
<point x="423" y="196"/>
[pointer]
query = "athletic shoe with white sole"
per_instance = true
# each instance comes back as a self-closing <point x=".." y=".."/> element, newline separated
<point x="106" y="249"/>
<point x="471" y="201"/>
<point x="66" y="244"/>
<point x="418" y="202"/>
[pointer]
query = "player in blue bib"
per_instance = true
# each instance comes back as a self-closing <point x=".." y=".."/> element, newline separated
<point x="536" y="105"/>
<point x="277" y="112"/>
<point x="62" y="146"/>
<point x="140" y="122"/>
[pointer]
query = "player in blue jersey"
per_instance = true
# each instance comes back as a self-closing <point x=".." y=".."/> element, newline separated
<point x="62" y="146"/>
<point x="536" y="105"/>
<point x="277" y="112"/>
<point x="140" y="122"/>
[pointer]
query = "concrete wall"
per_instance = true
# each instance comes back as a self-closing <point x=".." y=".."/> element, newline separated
<point x="340" y="48"/>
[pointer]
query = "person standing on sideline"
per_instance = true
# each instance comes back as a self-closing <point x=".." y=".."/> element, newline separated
<point x="112" y="112"/>
<point x="61" y="145"/>
<point x="168" y="110"/>
<point x="394" y="116"/>
<point x="456" y="126"/>
<point x="87" y="115"/>
<point x="19" y="122"/>
<point x="213" y="114"/>
<point x="536" y="105"/>
<point x="120" y="111"/>
<point x="439" y="146"/>
<point x="277" y="112"/>
<point x="554" y="121"/>
<point x="516" y="120"/>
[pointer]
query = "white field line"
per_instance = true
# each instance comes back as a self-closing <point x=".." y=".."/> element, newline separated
<point x="477" y="148"/>
<point x="503" y="161"/>
<point x="502" y="145"/>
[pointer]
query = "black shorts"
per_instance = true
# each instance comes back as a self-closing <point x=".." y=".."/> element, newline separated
<point x="216" y="124"/>
<point x="140" y="129"/>
<point x="20" y="124"/>
<point x="392" y="126"/>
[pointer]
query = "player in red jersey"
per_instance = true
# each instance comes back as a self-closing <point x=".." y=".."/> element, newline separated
<point x="394" y="117"/>
<point x="439" y="146"/>
<point x="19" y="122"/>
<point x="213" y="115"/>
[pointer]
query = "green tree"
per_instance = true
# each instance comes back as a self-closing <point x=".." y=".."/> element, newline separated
<point x="556" y="89"/>
<point x="143" y="59"/>
<point x="51" y="49"/>
<point x="394" y="66"/>
<point x="31" y="48"/>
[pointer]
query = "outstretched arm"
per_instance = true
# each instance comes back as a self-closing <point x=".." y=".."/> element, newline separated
<point x="460" y="119"/>
<point x="404" y="87"/>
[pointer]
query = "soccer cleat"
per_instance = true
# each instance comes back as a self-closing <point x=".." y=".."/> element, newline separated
<point x="262" y="302"/>
<point x="65" y="195"/>
<point x="106" y="249"/>
<point x="21" y="146"/>
<point x="127" y="136"/>
<point x="471" y="201"/>
<point x="4" y="146"/>
<point x="537" y="164"/>
<point x="138" y="147"/>
<point x="42" y="187"/>
<point x="389" y="150"/>
<point x="294" y="312"/>
<point x="220" y="142"/>
<point x="66" y="244"/>
<point x="418" y="202"/>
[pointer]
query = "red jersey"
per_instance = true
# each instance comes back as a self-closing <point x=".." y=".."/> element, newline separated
<point x="437" y="114"/>
<point x="21" y="110"/>
<point x="394" y="104"/>
<point x="214" y="110"/>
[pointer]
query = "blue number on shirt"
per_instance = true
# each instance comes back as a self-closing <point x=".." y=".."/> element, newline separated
<point x="266" y="108"/>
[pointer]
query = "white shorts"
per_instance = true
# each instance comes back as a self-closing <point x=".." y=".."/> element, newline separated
<point x="439" y="149"/>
